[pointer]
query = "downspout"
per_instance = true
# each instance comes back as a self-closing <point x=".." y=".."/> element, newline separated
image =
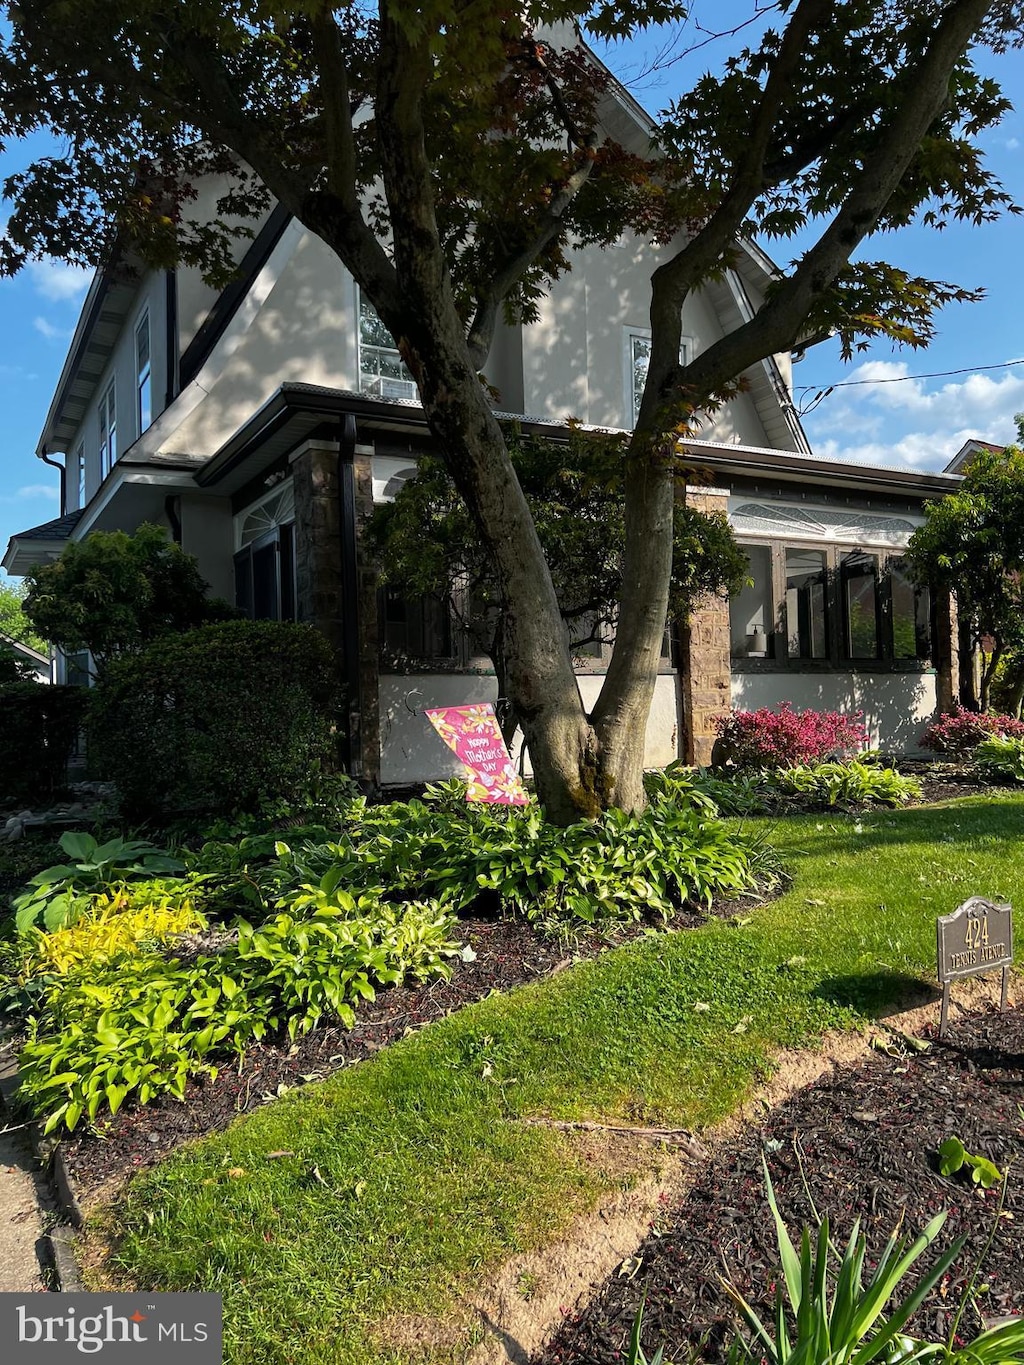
<point x="172" y="510"/>
<point x="352" y="744"/>
<point x="46" y="459"/>
<point x="171" y="337"/>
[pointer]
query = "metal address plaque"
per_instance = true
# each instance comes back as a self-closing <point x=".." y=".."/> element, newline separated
<point x="977" y="937"/>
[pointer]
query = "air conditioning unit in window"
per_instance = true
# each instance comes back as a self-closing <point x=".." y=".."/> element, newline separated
<point x="397" y="388"/>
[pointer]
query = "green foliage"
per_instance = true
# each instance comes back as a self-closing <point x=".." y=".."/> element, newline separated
<point x="834" y="1305"/>
<point x="953" y="1157"/>
<point x="59" y="894"/>
<point x="972" y="542"/>
<point x="14" y="624"/>
<point x="428" y="544"/>
<point x="846" y="784"/>
<point x="39" y="725"/>
<point x="1001" y="756"/>
<point x="635" y="1351"/>
<point x="113" y="593"/>
<point x="138" y="1026"/>
<point x="856" y="782"/>
<point x="227" y="717"/>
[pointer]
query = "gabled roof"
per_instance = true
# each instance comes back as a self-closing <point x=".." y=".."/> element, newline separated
<point x="967" y="452"/>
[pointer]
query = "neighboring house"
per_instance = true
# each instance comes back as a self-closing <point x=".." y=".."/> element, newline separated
<point x="40" y="665"/>
<point x="260" y="424"/>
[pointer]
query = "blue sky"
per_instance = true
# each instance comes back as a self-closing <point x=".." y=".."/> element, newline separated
<point x="917" y="422"/>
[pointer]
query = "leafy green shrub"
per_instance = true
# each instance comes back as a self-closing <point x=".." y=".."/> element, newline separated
<point x="141" y="1026"/>
<point x="737" y="794"/>
<point x="59" y="894"/>
<point x="846" y="784"/>
<point x="38" y="728"/>
<point x="1001" y="756"/>
<point x="222" y="718"/>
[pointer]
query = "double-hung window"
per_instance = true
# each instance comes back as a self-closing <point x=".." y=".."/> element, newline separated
<point x="143" y="374"/>
<point x="382" y="372"/>
<point x="638" y="360"/>
<point x="108" y="429"/>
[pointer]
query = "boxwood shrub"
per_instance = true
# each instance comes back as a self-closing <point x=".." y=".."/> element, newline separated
<point x="218" y="719"/>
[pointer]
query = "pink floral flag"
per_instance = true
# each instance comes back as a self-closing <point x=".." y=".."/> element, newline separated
<point x="473" y="735"/>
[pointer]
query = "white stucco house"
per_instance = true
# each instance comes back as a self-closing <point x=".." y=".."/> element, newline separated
<point x="259" y="424"/>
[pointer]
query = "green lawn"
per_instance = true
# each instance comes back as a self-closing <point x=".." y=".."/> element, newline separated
<point x="412" y="1174"/>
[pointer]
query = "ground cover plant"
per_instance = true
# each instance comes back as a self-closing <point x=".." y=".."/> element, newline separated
<point x="320" y="923"/>
<point x="852" y="783"/>
<point x="405" y="1179"/>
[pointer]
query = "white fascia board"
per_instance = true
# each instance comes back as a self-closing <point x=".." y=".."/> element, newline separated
<point x="98" y="280"/>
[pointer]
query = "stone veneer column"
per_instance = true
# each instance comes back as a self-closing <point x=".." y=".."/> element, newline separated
<point x="946" y="649"/>
<point x="324" y="598"/>
<point x="318" y="569"/>
<point x="705" y="670"/>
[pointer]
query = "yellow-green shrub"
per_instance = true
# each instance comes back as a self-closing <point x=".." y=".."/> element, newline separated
<point x="118" y="924"/>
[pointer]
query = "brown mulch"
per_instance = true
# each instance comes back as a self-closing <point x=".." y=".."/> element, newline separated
<point x="860" y="1143"/>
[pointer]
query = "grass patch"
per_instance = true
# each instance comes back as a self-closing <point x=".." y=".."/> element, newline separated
<point x="411" y="1174"/>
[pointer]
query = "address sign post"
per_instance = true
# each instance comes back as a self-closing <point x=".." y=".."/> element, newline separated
<point x="977" y="937"/>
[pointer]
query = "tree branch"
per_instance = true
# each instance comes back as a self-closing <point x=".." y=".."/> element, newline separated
<point x="777" y="325"/>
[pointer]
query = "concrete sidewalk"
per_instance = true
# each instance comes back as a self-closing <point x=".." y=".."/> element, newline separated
<point x="21" y="1230"/>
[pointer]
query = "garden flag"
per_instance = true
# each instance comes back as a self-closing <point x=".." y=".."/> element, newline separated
<point x="474" y="736"/>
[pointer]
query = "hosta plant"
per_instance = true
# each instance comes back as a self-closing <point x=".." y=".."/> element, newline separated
<point x="1001" y="756"/>
<point x="58" y="895"/>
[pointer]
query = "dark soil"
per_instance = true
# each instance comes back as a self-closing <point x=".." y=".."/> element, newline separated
<point x="862" y="1142"/>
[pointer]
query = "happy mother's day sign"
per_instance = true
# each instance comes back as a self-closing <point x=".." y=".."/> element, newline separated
<point x="474" y="736"/>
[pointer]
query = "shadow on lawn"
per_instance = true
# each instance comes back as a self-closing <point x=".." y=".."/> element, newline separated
<point x="876" y="994"/>
<point x="957" y="824"/>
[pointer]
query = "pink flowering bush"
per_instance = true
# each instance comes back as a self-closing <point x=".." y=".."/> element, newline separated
<point x="960" y="732"/>
<point x="784" y="738"/>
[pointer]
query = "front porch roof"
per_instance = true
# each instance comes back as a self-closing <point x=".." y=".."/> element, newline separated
<point x="299" y="412"/>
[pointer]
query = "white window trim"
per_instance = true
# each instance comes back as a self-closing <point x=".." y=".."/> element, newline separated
<point x="143" y="373"/>
<point x="629" y="335"/>
<point x="410" y="392"/>
<point x="286" y="487"/>
<point x="80" y="469"/>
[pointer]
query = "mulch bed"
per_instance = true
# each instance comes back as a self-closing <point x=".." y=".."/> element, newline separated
<point x="508" y="953"/>
<point x="862" y="1142"/>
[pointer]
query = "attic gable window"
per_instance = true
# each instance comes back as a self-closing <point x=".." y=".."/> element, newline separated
<point x="382" y="372"/>
<point x="638" y="359"/>
<point x="108" y="429"/>
<point x="143" y="374"/>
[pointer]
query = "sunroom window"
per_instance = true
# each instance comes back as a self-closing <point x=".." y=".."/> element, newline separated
<point x="265" y="584"/>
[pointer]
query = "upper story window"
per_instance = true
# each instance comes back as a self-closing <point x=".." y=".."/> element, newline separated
<point x="80" y="467"/>
<point x="108" y="429"/>
<point x="143" y="374"/>
<point x="382" y="372"/>
<point x="638" y="359"/>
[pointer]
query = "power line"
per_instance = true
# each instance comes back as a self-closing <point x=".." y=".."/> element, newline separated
<point x="821" y="394"/>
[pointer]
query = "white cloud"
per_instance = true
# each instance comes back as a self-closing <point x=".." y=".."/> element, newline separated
<point x="914" y="421"/>
<point x="1011" y="144"/>
<point x="38" y="490"/>
<point x="49" y="331"/>
<point x="57" y="280"/>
